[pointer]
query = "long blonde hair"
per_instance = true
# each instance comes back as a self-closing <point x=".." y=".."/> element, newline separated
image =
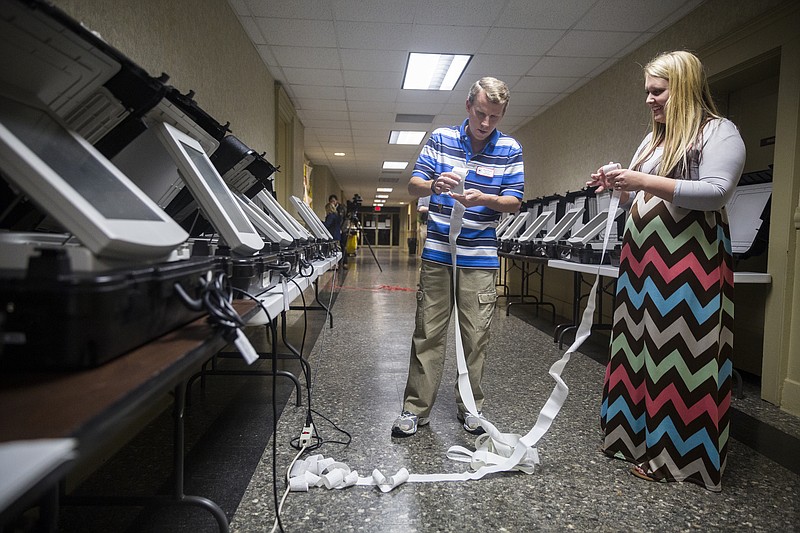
<point x="687" y="110"/>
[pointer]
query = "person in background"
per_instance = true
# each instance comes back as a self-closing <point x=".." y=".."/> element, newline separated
<point x="493" y="185"/>
<point x="334" y="221"/>
<point x="422" y="219"/>
<point x="667" y="387"/>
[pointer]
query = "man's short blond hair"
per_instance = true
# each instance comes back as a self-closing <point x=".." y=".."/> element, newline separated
<point x="496" y="90"/>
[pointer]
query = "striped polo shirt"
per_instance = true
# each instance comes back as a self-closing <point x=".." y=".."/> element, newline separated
<point x="497" y="169"/>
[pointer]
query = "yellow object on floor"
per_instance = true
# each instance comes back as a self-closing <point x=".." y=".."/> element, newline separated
<point x="352" y="243"/>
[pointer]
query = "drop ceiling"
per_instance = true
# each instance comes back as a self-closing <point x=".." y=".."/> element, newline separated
<point x="341" y="63"/>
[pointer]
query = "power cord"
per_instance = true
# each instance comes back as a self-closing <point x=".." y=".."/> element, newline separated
<point x="216" y="299"/>
<point x="276" y="523"/>
<point x="274" y="410"/>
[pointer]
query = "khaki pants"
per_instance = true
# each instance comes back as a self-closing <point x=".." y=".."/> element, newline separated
<point x="477" y="298"/>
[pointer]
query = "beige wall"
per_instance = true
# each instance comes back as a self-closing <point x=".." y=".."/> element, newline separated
<point x="606" y="119"/>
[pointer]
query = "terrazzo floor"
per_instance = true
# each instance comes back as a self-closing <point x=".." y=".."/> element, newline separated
<point x="359" y="369"/>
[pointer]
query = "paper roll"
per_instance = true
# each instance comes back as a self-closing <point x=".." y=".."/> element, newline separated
<point x="611" y="166"/>
<point x="462" y="173"/>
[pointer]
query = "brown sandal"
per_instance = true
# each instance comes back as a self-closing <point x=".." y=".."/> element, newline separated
<point x="639" y="472"/>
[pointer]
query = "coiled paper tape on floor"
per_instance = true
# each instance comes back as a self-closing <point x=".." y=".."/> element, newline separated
<point x="494" y="451"/>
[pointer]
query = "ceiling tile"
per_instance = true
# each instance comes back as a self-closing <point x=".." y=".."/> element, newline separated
<point x="373" y="60"/>
<point x="323" y="115"/>
<point x="296" y="9"/>
<point x="306" y="56"/>
<point x="499" y="65"/>
<point x="560" y="15"/>
<point x="676" y="15"/>
<point x="565" y="66"/>
<point x="446" y="39"/>
<point x="541" y="84"/>
<point x="518" y="107"/>
<point x="338" y="134"/>
<point x="365" y="105"/>
<point x="315" y="91"/>
<point x="458" y="12"/>
<point x="578" y="43"/>
<point x="373" y="35"/>
<point x="383" y="116"/>
<point x="424" y="98"/>
<point x="324" y="105"/>
<point x="371" y="95"/>
<point x="314" y="76"/>
<point x="295" y="32"/>
<point x="372" y="79"/>
<point x="519" y="41"/>
<point x="423" y="109"/>
<point x="531" y="99"/>
<point x="373" y="11"/>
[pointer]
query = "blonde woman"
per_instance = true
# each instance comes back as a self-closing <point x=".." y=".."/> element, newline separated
<point x="667" y="386"/>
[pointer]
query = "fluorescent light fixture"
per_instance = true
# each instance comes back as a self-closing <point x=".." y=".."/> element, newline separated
<point x="434" y="71"/>
<point x="384" y="189"/>
<point x="381" y="196"/>
<point x="395" y="165"/>
<point x="406" y="137"/>
<point x="339" y="154"/>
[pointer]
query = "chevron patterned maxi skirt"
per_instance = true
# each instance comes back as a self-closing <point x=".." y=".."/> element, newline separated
<point x="667" y="386"/>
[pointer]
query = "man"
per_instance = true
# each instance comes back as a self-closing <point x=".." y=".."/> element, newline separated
<point x="493" y="185"/>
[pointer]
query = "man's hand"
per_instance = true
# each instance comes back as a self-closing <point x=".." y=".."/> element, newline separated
<point x="471" y="198"/>
<point x="445" y="182"/>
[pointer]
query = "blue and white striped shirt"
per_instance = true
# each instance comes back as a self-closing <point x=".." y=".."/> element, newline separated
<point x="497" y="169"/>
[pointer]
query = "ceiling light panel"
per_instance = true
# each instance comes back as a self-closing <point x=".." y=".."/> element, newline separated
<point x="406" y="137"/>
<point x="434" y="71"/>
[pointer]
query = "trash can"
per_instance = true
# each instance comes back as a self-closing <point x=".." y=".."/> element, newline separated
<point x="412" y="246"/>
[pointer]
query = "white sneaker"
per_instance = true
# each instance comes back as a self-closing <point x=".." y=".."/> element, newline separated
<point x="472" y="423"/>
<point x="406" y="424"/>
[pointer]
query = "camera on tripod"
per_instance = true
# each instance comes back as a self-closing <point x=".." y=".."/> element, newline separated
<point x="353" y="206"/>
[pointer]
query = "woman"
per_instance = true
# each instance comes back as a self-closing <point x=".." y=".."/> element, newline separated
<point x="333" y="219"/>
<point x="667" y="388"/>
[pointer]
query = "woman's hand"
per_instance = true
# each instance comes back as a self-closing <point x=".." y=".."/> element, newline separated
<point x="618" y="179"/>
<point x="625" y="180"/>
<point x="600" y="179"/>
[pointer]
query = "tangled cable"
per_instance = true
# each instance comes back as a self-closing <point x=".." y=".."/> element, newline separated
<point x="216" y="299"/>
